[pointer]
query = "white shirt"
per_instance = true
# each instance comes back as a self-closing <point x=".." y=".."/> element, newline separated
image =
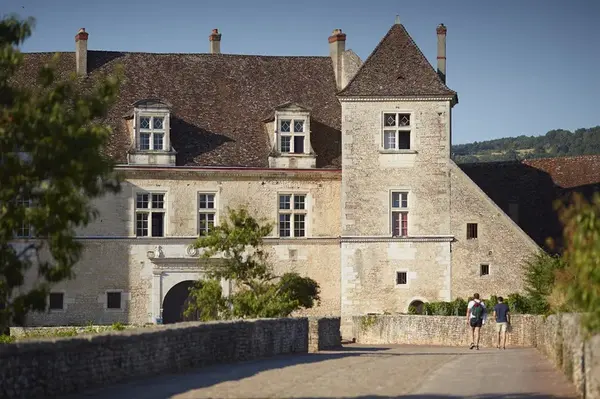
<point x="470" y="305"/>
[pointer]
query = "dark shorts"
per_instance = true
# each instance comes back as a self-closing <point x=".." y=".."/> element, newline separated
<point x="475" y="323"/>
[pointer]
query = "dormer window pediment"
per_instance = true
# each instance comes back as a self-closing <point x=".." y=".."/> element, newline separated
<point x="291" y="137"/>
<point x="151" y="130"/>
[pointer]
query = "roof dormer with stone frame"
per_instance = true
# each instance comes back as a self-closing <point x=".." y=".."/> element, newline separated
<point x="290" y="138"/>
<point x="150" y="133"/>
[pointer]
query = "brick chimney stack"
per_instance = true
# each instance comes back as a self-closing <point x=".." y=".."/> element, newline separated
<point x="337" y="46"/>
<point x="441" y="52"/>
<point x="215" y="42"/>
<point x="81" y="41"/>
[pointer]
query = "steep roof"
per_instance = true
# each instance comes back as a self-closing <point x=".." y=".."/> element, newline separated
<point x="535" y="185"/>
<point x="396" y="67"/>
<point x="218" y="101"/>
<point x="568" y="172"/>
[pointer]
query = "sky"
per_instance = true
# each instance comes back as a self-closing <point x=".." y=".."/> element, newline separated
<point x="519" y="67"/>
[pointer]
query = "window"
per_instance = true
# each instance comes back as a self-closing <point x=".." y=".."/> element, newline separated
<point x="401" y="278"/>
<point x="471" y="231"/>
<point x="399" y="213"/>
<point x="150" y="215"/>
<point x="206" y="213"/>
<point x="152" y="133"/>
<point x="56" y="301"/>
<point x="113" y="300"/>
<point x="24" y="231"/>
<point x="292" y="215"/>
<point x="292" y="136"/>
<point x="484" y="269"/>
<point x="396" y="131"/>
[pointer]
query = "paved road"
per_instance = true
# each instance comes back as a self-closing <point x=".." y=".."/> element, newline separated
<point x="364" y="372"/>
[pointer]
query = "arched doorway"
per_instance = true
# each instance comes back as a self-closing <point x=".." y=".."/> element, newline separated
<point x="175" y="303"/>
<point x="416" y="307"/>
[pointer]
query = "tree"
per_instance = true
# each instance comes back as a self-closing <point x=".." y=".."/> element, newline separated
<point x="539" y="277"/>
<point x="258" y="291"/>
<point x="578" y="284"/>
<point x="51" y="167"/>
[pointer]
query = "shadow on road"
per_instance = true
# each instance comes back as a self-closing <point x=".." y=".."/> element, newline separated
<point x="503" y="396"/>
<point x="165" y="386"/>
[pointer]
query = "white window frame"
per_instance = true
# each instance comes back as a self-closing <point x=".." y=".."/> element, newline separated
<point x="401" y="209"/>
<point x="397" y="129"/>
<point x="205" y="211"/>
<point x="149" y="212"/>
<point x="121" y="302"/>
<point x="292" y="134"/>
<point x="293" y="212"/>
<point x="152" y="131"/>
<point x="21" y="229"/>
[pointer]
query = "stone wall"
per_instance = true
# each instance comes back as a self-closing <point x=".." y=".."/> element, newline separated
<point x="324" y="333"/>
<point x="438" y="330"/>
<point x="77" y="363"/>
<point x="559" y="338"/>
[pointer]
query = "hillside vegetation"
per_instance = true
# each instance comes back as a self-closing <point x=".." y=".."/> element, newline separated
<point x="555" y="143"/>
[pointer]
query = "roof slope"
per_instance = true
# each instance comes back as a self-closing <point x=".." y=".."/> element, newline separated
<point x="396" y="67"/>
<point x="218" y="101"/>
<point x="535" y="185"/>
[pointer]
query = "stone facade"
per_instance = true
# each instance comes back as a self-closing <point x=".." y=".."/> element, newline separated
<point x="74" y="364"/>
<point x="262" y="129"/>
<point x="146" y="269"/>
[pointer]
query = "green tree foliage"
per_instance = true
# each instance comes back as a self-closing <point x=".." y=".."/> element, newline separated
<point x="258" y="291"/>
<point x="539" y="274"/>
<point x="51" y="167"/>
<point x="578" y="284"/>
<point x="555" y="143"/>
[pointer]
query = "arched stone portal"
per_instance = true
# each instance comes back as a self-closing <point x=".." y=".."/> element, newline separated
<point x="417" y="305"/>
<point x="176" y="302"/>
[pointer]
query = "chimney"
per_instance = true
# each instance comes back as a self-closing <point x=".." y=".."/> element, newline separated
<point x="81" y="39"/>
<point x="337" y="46"/>
<point x="215" y="42"/>
<point x="441" y="52"/>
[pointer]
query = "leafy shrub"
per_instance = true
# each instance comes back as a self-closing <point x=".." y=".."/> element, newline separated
<point x="7" y="339"/>
<point x="118" y="326"/>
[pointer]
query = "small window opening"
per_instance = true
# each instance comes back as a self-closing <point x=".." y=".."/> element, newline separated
<point x="484" y="269"/>
<point x="471" y="231"/>
<point x="401" y="278"/>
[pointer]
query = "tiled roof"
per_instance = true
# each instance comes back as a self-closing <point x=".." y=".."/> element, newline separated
<point x="568" y="172"/>
<point x="535" y="185"/>
<point x="396" y="67"/>
<point x="219" y="101"/>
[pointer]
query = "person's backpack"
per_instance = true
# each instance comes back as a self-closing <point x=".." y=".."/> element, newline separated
<point x="477" y="311"/>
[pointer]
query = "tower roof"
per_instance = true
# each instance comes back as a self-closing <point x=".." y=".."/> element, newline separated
<point x="396" y="68"/>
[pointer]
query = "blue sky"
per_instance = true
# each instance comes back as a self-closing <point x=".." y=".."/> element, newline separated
<point x="519" y="67"/>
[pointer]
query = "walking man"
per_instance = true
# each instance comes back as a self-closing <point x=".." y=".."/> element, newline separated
<point x="502" y="315"/>
<point x="475" y="319"/>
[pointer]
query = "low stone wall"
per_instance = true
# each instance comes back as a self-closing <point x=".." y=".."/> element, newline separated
<point x="51" y="367"/>
<point x="558" y="337"/>
<point x="324" y="333"/>
<point x="438" y="330"/>
<point x="39" y="332"/>
<point x="561" y="339"/>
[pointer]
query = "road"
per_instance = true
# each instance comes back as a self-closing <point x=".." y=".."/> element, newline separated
<point x="358" y="371"/>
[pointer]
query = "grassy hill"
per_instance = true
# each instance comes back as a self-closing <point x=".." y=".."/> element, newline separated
<point x="555" y="143"/>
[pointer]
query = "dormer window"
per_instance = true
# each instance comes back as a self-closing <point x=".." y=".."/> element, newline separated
<point x="293" y="137"/>
<point x="149" y="125"/>
<point x="152" y="133"/>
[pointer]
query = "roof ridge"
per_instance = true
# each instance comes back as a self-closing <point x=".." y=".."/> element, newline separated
<point x="367" y="60"/>
<point x="425" y="58"/>
<point x="200" y="54"/>
<point x="397" y="36"/>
